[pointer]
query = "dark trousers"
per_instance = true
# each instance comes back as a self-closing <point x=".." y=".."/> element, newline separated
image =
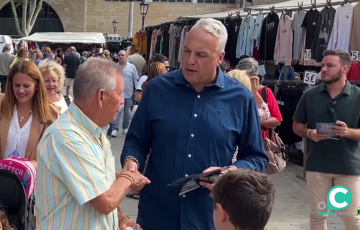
<point x="3" y="80"/>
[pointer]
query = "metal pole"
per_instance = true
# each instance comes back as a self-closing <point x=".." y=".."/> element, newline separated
<point x="143" y="22"/>
<point x="114" y="30"/>
<point x="130" y="19"/>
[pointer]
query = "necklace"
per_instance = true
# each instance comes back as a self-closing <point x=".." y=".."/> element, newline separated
<point x="22" y="118"/>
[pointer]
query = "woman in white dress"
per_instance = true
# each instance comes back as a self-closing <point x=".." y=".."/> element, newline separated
<point x="54" y="77"/>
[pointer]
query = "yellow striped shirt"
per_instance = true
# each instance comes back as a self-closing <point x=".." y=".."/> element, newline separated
<point x="75" y="165"/>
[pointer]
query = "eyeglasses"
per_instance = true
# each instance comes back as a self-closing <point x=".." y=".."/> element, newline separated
<point x="331" y="107"/>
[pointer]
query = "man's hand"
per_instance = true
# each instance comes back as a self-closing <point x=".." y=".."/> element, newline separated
<point x="340" y="128"/>
<point x="130" y="165"/>
<point x="317" y="136"/>
<point x="139" y="180"/>
<point x="126" y="222"/>
<point x="210" y="185"/>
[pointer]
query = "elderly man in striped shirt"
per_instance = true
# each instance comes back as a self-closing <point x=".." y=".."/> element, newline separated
<point x="77" y="187"/>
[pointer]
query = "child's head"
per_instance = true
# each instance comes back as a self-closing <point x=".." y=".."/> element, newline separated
<point x="4" y="223"/>
<point x="243" y="199"/>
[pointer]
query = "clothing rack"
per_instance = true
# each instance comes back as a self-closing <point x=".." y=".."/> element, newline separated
<point x="179" y="21"/>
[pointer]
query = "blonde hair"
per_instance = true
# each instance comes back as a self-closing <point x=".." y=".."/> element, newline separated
<point x="241" y="76"/>
<point x="41" y="103"/>
<point x="48" y="66"/>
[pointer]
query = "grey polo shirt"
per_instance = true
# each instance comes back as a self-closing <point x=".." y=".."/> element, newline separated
<point x="331" y="156"/>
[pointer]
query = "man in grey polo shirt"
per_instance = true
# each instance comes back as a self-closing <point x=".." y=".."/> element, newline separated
<point x="332" y="162"/>
<point x="130" y="77"/>
<point x="6" y="58"/>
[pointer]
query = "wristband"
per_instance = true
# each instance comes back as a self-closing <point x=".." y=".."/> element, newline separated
<point x="129" y="177"/>
<point x="308" y="133"/>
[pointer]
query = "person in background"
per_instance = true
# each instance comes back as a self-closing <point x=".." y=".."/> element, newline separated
<point x="71" y="64"/>
<point x="136" y="59"/>
<point x="251" y="67"/>
<point x="38" y="57"/>
<point x="54" y="78"/>
<point x="243" y="200"/>
<point x="191" y="120"/>
<point x="6" y="58"/>
<point x="47" y="53"/>
<point x="25" y="111"/>
<point x="80" y="179"/>
<point x="131" y="78"/>
<point x="84" y="55"/>
<point x="106" y="54"/>
<point x="21" y="55"/>
<point x="162" y="59"/>
<point x="224" y="66"/>
<point x="59" y="59"/>
<point x="335" y="160"/>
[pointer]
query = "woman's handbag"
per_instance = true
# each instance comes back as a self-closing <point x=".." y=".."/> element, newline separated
<point x="276" y="151"/>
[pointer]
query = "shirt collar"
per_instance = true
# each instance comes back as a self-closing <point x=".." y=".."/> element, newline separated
<point x="179" y="78"/>
<point x="87" y="124"/>
<point x="347" y="89"/>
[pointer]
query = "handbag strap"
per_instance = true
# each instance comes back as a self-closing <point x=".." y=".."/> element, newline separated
<point x="264" y="97"/>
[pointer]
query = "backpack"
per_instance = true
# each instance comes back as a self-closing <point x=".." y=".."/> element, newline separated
<point x="274" y="147"/>
<point x="67" y="99"/>
<point x="23" y="169"/>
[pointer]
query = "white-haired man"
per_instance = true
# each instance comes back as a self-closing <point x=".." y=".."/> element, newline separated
<point x="76" y="183"/>
<point x="192" y="120"/>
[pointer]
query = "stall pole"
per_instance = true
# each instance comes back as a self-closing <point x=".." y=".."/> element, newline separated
<point x="130" y="19"/>
<point x="303" y="175"/>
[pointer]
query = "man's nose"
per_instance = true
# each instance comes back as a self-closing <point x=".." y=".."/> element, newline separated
<point x="191" y="59"/>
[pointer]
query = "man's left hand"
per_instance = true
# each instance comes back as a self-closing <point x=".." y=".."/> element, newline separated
<point x="211" y="185"/>
<point x="126" y="222"/>
<point x="340" y="128"/>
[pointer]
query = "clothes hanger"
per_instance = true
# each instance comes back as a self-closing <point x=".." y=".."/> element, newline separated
<point x="272" y="9"/>
<point x="301" y="6"/>
<point x="313" y="4"/>
<point x="345" y="2"/>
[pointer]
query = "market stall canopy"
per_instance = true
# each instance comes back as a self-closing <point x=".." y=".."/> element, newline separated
<point x="290" y="5"/>
<point x="67" y="38"/>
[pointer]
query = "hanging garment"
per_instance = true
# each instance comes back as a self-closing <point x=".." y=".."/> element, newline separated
<point x="140" y="39"/>
<point x="284" y="39"/>
<point x="268" y="37"/>
<point x="153" y="43"/>
<point x="159" y="41"/>
<point x="341" y="32"/>
<point x="324" y="26"/>
<point x="245" y="37"/>
<point x="182" y="39"/>
<point x="233" y="32"/>
<point x="299" y="33"/>
<point x="354" y="71"/>
<point x="355" y="34"/>
<point x="174" y="44"/>
<point x="309" y="24"/>
<point x="257" y="29"/>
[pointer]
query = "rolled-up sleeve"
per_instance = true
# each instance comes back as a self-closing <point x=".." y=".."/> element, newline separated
<point x="138" y="138"/>
<point x="251" y="152"/>
<point x="77" y="167"/>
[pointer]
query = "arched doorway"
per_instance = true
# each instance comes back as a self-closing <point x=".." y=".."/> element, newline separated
<point x="47" y="21"/>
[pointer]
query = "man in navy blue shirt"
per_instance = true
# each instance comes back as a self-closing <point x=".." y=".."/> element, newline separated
<point x="191" y="120"/>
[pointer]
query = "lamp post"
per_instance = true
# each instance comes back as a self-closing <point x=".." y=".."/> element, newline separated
<point x="115" y="24"/>
<point x="144" y="9"/>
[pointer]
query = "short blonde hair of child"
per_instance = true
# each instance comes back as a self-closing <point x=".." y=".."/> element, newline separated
<point x="47" y="66"/>
<point x="241" y="76"/>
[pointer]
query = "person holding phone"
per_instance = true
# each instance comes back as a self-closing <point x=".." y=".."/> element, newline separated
<point x="330" y="162"/>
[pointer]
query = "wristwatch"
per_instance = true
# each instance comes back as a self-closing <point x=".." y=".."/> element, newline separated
<point x="308" y="133"/>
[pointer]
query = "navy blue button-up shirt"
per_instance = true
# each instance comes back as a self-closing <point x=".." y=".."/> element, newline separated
<point x="188" y="132"/>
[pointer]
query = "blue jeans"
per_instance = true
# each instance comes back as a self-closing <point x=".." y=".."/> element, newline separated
<point x="127" y="111"/>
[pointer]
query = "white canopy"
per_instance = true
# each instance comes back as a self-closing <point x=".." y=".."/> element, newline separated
<point x="292" y="4"/>
<point x="67" y="38"/>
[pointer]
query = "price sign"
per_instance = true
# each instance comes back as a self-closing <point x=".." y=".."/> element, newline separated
<point x="307" y="54"/>
<point x="310" y="78"/>
<point x="355" y="55"/>
<point x="262" y="70"/>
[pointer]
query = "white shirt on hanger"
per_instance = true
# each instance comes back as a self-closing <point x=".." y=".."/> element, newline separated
<point x="341" y="32"/>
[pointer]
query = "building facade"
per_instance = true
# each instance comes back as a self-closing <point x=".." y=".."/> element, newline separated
<point x="97" y="15"/>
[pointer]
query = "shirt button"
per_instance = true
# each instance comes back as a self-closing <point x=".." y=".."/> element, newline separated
<point x="198" y="96"/>
<point x="192" y="135"/>
<point x="184" y="196"/>
<point x="189" y="155"/>
<point x="195" y="115"/>
<point x="186" y="175"/>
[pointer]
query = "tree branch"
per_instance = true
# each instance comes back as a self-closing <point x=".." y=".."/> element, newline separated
<point x="36" y="14"/>
<point x="17" y="25"/>
<point x="24" y="16"/>
<point x="32" y="11"/>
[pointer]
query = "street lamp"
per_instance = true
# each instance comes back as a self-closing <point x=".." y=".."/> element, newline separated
<point x="115" y="24"/>
<point x="143" y="9"/>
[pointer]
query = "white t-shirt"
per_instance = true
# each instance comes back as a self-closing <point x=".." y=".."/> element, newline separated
<point x="62" y="104"/>
<point x="142" y="79"/>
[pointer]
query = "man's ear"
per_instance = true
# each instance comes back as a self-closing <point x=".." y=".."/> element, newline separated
<point x="222" y="213"/>
<point x="100" y="95"/>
